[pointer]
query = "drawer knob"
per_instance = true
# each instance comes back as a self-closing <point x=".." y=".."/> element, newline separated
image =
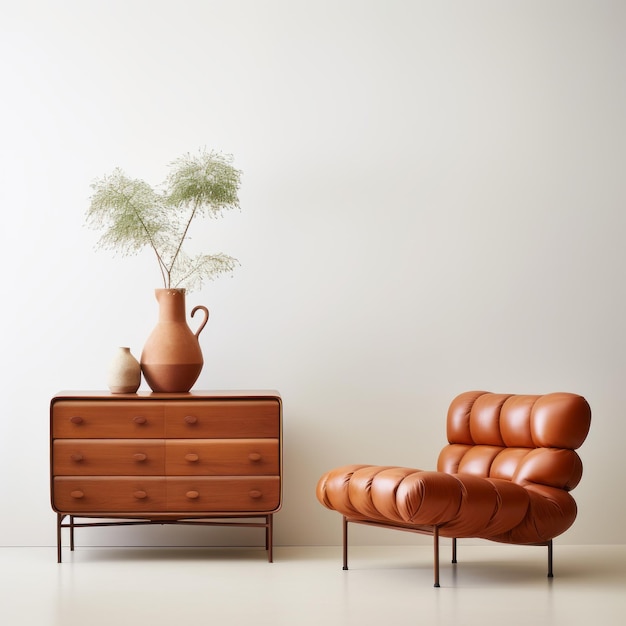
<point x="140" y="456"/>
<point x="139" y="419"/>
<point x="192" y="458"/>
<point x="77" y="494"/>
<point x="76" y="457"/>
<point x="140" y="495"/>
<point x="255" y="494"/>
<point x="254" y="457"/>
<point x="192" y="495"/>
<point x="191" y="419"/>
<point x="77" y="419"/>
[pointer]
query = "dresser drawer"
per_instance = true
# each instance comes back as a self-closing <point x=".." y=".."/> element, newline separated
<point x="95" y="494"/>
<point x="98" y="419"/>
<point x="238" y="457"/>
<point x="108" y="457"/>
<point x="223" y="494"/>
<point x="223" y="419"/>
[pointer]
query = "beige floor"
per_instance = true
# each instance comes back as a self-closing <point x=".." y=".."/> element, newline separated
<point x="386" y="586"/>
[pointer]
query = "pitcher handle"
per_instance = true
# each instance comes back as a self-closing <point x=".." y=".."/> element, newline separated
<point x="206" y="318"/>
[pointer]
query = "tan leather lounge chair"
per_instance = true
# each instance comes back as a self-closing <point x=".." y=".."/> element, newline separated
<point x="505" y="475"/>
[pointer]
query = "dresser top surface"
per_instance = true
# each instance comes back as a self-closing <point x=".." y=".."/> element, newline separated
<point x="230" y="394"/>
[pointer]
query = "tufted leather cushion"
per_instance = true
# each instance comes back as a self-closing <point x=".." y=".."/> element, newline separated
<point x="504" y="475"/>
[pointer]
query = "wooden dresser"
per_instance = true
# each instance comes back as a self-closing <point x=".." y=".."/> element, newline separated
<point x="202" y="458"/>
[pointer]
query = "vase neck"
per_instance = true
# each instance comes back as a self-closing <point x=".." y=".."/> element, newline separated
<point x="171" y="304"/>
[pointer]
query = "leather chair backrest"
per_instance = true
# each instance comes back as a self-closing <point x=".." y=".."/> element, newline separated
<point x="527" y="439"/>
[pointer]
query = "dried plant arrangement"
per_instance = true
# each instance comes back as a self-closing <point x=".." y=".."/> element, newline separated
<point x="134" y="215"/>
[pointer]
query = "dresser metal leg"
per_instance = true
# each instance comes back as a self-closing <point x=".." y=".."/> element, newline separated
<point x="269" y="538"/>
<point x="72" y="533"/>
<point x="60" y="518"/>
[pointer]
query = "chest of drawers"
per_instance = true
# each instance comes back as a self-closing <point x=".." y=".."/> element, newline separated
<point x="212" y="458"/>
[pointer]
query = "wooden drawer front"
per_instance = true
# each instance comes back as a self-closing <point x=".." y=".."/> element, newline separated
<point x="236" y="457"/>
<point x="222" y="419"/>
<point x="108" y="457"/>
<point x="95" y="419"/>
<point x="94" y="494"/>
<point x="224" y="494"/>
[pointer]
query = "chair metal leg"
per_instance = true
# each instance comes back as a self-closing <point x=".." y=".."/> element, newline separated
<point x="436" y="555"/>
<point x="345" y="542"/>
<point x="434" y="531"/>
<point x="550" y="550"/>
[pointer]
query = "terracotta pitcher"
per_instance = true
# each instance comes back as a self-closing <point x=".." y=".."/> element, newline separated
<point x="171" y="360"/>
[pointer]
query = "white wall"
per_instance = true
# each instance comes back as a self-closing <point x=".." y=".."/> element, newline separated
<point x="433" y="201"/>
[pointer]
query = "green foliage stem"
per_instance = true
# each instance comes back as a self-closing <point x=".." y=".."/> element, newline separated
<point x="133" y="215"/>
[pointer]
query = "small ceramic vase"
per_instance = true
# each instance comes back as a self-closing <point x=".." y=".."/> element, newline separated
<point x="124" y="372"/>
